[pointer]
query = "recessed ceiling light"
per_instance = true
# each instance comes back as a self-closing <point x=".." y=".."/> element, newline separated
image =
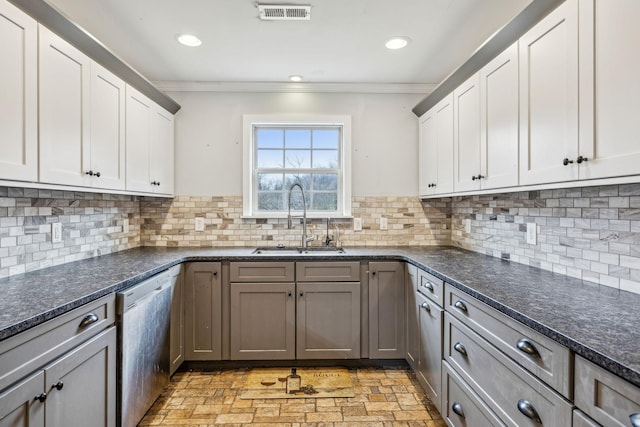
<point x="397" y="42"/>
<point x="189" y="40"/>
<point x="295" y="78"/>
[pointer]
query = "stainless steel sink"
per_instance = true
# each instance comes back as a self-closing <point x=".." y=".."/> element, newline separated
<point x="287" y="250"/>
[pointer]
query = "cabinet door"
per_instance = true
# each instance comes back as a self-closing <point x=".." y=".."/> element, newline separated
<point x="19" y="406"/>
<point x="203" y="311"/>
<point x="428" y="154"/>
<point x="176" y="331"/>
<point x="19" y="89"/>
<point x="411" y="306"/>
<point x="466" y="135"/>
<point x="64" y="111"/>
<point x="386" y="310"/>
<point x="444" y="135"/>
<point x="263" y="317"/>
<point x="549" y="97"/>
<point x="430" y="362"/>
<point x="139" y="118"/>
<point x="162" y="151"/>
<point x="328" y="320"/>
<point x="81" y="385"/>
<point x="107" y="155"/>
<point x="609" y="69"/>
<point x="499" y="120"/>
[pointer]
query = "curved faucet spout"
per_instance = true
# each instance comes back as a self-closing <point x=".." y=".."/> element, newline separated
<point x="304" y="213"/>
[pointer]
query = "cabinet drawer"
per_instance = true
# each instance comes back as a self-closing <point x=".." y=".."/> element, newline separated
<point x="30" y="350"/>
<point x="430" y="286"/>
<point x="261" y="272"/>
<point x="540" y="355"/>
<point x="581" y="420"/>
<point x="319" y="271"/>
<point x="606" y="398"/>
<point x="509" y="390"/>
<point x="461" y="406"/>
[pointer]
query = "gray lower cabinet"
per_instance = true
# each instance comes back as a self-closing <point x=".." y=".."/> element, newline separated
<point x="176" y="334"/>
<point x="430" y="357"/>
<point x="203" y="311"/>
<point x="328" y="320"/>
<point x="412" y="328"/>
<point x="263" y="321"/>
<point x="19" y="405"/>
<point x="386" y="310"/>
<point x="581" y="420"/>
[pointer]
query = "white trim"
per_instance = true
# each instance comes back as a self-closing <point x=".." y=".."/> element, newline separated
<point x="289" y="87"/>
<point x="250" y="120"/>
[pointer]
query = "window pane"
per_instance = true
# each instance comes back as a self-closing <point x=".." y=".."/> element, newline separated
<point x="304" y="179"/>
<point x="325" y="182"/>
<point x="327" y="159"/>
<point x="269" y="138"/>
<point x="298" y="159"/>
<point x="325" y="202"/>
<point x="297" y="138"/>
<point x="270" y="158"/>
<point x="326" y="138"/>
<point x="270" y="181"/>
<point x="270" y="201"/>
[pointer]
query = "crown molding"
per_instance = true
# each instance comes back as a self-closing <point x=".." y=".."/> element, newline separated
<point x="285" y="87"/>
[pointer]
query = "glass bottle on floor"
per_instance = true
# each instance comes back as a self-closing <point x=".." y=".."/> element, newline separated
<point x="294" y="382"/>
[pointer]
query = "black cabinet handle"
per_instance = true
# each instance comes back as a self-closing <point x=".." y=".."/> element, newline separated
<point x="635" y="419"/>
<point x="215" y="273"/>
<point x="289" y="294"/>
<point x="473" y="178"/>
<point x="457" y="409"/>
<point x="97" y="174"/>
<point x="526" y="346"/>
<point x="566" y="161"/>
<point x="301" y="294"/>
<point x="58" y="385"/>
<point x="460" y="305"/>
<point x="41" y="398"/>
<point x="88" y="320"/>
<point x="581" y="159"/>
<point x="460" y="349"/>
<point x="373" y="273"/>
<point x="527" y="409"/>
<point x="90" y="173"/>
<point x="431" y="185"/>
<point x="426" y="306"/>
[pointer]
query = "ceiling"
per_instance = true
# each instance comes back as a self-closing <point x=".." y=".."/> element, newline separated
<point x="342" y="43"/>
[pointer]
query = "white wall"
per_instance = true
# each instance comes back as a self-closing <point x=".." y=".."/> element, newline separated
<point x="208" y="132"/>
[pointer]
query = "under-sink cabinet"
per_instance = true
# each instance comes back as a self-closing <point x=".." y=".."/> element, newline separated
<point x="62" y="372"/>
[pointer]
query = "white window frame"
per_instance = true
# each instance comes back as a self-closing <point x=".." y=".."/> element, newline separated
<point x="250" y="121"/>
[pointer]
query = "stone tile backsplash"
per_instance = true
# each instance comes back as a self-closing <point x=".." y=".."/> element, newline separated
<point x="592" y="233"/>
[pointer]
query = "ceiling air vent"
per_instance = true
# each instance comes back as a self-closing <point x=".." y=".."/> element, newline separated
<point x="280" y="12"/>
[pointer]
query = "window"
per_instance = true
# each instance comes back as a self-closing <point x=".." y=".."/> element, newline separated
<point x="310" y="151"/>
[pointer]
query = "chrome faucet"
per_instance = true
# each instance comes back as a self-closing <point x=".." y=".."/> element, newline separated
<point x="305" y="239"/>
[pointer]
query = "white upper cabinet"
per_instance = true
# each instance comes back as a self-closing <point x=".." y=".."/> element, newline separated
<point x="106" y="154"/>
<point x="64" y="74"/>
<point x="436" y="149"/>
<point x="466" y="135"/>
<point x="609" y="89"/>
<point x="150" y="140"/>
<point x="499" y="121"/>
<point x="19" y="99"/>
<point x="549" y="98"/>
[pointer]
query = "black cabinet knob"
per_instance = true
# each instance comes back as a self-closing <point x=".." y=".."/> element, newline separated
<point x="41" y="398"/>
<point x="581" y="159"/>
<point x="58" y="385"/>
<point x="97" y="174"/>
<point x="90" y="173"/>
<point x="566" y="161"/>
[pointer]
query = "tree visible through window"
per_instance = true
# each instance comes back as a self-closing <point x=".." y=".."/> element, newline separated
<point x="309" y="155"/>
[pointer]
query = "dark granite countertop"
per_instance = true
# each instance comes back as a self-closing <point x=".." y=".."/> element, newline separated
<point x="596" y="322"/>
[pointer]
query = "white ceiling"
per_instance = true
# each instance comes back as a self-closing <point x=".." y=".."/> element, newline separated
<point x="342" y="43"/>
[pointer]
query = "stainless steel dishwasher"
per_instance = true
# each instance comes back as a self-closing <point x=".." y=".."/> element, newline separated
<point x="143" y="343"/>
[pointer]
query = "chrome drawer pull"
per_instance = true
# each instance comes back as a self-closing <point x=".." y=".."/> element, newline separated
<point x="429" y="286"/>
<point x="457" y="409"/>
<point x="528" y="410"/>
<point x="635" y="419"/>
<point x="526" y="346"/>
<point x="426" y="306"/>
<point x="460" y="349"/>
<point x="88" y="319"/>
<point x="460" y="305"/>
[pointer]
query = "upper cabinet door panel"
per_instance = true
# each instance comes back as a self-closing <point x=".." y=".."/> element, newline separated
<point x="19" y="99"/>
<point x="466" y="135"/>
<point x="499" y="120"/>
<point x="427" y="153"/>
<point x="162" y="151"/>
<point x="549" y="97"/>
<point x="64" y="109"/>
<point x="444" y="135"/>
<point x="139" y="139"/>
<point x="107" y="129"/>
<point x="609" y="66"/>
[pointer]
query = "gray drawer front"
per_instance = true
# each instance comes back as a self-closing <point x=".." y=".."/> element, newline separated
<point x="603" y="396"/>
<point x="581" y="420"/>
<point x="322" y="271"/>
<point x="23" y="353"/>
<point x="261" y="272"/>
<point x="552" y="364"/>
<point x="431" y="286"/>
<point x="500" y="382"/>
<point x="457" y="394"/>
